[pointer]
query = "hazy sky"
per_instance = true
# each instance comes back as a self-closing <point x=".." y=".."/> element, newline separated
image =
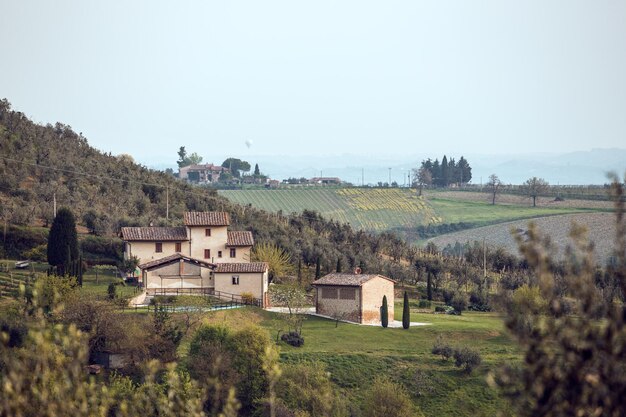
<point x="321" y="77"/>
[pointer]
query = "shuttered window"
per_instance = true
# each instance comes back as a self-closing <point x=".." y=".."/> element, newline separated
<point x="207" y="253"/>
<point x="329" y="293"/>
<point x="179" y="247"/>
<point x="158" y="247"/>
<point x="347" y="293"/>
<point x="207" y="232"/>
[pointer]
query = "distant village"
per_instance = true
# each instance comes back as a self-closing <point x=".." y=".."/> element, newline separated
<point x="221" y="176"/>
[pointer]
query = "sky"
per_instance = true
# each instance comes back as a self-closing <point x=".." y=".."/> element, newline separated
<point x="320" y="78"/>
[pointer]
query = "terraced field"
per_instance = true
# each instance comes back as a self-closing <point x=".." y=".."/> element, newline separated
<point x="369" y="209"/>
<point x="379" y="209"/>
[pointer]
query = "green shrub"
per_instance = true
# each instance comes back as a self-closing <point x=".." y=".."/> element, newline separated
<point x="248" y="298"/>
<point x="467" y="358"/>
<point x="424" y="304"/>
<point x="459" y="301"/>
<point x="293" y="338"/>
<point x="112" y="291"/>
<point x="38" y="253"/>
<point x="442" y="349"/>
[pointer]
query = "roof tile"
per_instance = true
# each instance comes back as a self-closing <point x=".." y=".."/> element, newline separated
<point x="207" y="218"/>
<point x="240" y="239"/>
<point x="241" y="267"/>
<point x="154" y="233"/>
<point x="349" y="280"/>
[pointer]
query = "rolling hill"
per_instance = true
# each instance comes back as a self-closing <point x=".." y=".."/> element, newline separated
<point x="382" y="209"/>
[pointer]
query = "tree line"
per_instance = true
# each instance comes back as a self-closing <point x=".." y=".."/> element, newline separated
<point x="442" y="174"/>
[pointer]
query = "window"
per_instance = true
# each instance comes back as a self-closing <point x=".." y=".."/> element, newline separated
<point x="207" y="232"/>
<point x="219" y="253"/>
<point x="329" y="293"/>
<point x="233" y="252"/>
<point x="235" y="279"/>
<point x="179" y="247"/>
<point x="347" y="294"/>
<point x="207" y="253"/>
<point x="158" y="247"/>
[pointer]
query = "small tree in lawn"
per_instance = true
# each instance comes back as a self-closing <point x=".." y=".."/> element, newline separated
<point x="493" y="187"/>
<point x="406" y="312"/>
<point x="63" y="241"/>
<point x="384" y="313"/>
<point x="533" y="187"/>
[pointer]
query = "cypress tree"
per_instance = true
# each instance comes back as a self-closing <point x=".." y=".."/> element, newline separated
<point x="445" y="174"/>
<point x="384" y="313"/>
<point x="429" y="287"/>
<point x="62" y="240"/>
<point x="338" y="264"/>
<point x="257" y="172"/>
<point x="406" y="312"/>
<point x="80" y="271"/>
<point x="318" y="268"/>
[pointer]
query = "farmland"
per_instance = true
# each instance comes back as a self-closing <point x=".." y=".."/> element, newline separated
<point x="600" y="226"/>
<point x="379" y="209"/>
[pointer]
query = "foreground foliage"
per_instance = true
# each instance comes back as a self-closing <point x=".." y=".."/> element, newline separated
<point x="575" y="352"/>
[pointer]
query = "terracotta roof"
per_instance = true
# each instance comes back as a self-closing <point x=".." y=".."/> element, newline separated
<point x="207" y="218"/>
<point x="173" y="258"/>
<point x="154" y="233"/>
<point x="241" y="267"/>
<point x="240" y="239"/>
<point x="348" y="280"/>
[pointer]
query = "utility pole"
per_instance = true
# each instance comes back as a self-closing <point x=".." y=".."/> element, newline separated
<point x="363" y="177"/>
<point x="167" y="202"/>
<point x="54" y="204"/>
<point x="389" y="177"/>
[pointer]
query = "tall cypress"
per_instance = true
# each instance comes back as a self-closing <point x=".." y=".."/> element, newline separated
<point x="63" y="240"/>
<point x="429" y="287"/>
<point x="406" y="312"/>
<point x="338" y="264"/>
<point x="318" y="268"/>
<point x="384" y="313"/>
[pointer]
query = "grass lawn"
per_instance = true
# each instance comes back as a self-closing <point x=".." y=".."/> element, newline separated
<point x="482" y="214"/>
<point x="355" y="354"/>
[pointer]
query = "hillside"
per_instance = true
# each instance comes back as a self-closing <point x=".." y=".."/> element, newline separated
<point x="395" y="209"/>
<point x="600" y="227"/>
<point x="41" y="162"/>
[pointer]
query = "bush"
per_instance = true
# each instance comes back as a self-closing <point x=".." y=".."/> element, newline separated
<point x="424" y="304"/>
<point x="467" y="358"/>
<point x="478" y="301"/>
<point x="442" y="349"/>
<point x="248" y="298"/>
<point x="38" y="253"/>
<point x="385" y="398"/>
<point x="459" y="301"/>
<point x="293" y="338"/>
<point x="112" y="291"/>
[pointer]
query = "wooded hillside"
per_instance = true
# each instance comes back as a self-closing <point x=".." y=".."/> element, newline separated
<point x="106" y="192"/>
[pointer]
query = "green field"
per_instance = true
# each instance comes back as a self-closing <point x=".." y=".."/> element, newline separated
<point x="355" y="354"/>
<point x="379" y="209"/>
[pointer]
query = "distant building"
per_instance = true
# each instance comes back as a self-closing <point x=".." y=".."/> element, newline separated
<point x="325" y="180"/>
<point x="354" y="297"/>
<point x="202" y="174"/>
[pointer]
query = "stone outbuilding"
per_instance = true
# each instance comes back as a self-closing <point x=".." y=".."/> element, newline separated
<point x="354" y="297"/>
